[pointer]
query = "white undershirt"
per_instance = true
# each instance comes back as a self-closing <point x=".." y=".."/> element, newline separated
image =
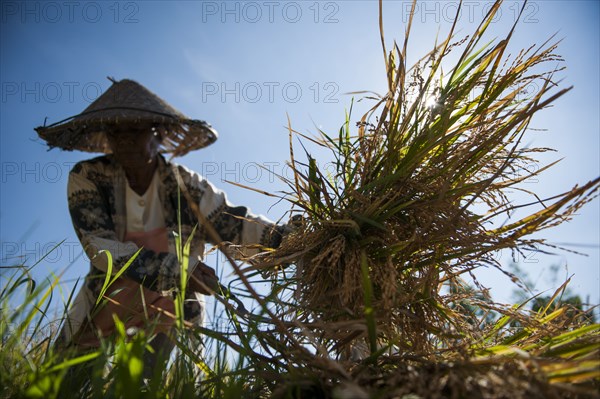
<point x="144" y="212"/>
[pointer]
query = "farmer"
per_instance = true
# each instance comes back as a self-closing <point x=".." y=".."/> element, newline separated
<point x="133" y="199"/>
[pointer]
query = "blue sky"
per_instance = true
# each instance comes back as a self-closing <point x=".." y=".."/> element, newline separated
<point x="245" y="67"/>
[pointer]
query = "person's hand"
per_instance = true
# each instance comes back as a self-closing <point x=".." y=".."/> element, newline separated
<point x="295" y="223"/>
<point x="204" y="279"/>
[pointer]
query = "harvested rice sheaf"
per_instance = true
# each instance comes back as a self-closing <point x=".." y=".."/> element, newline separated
<point x="417" y="188"/>
<point x="414" y="204"/>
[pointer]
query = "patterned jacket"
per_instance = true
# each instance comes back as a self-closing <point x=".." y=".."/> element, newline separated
<point x="96" y="196"/>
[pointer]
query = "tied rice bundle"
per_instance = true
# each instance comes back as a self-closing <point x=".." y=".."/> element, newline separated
<point x="416" y="192"/>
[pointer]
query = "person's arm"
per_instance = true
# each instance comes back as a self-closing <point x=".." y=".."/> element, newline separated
<point x="233" y="224"/>
<point x="94" y="227"/>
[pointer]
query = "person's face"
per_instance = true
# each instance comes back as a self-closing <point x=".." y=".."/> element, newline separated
<point x="134" y="145"/>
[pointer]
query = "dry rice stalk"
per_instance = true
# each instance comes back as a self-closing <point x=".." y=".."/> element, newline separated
<point x="405" y="190"/>
<point x="413" y="205"/>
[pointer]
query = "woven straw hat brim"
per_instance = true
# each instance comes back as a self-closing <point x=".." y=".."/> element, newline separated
<point x="128" y="102"/>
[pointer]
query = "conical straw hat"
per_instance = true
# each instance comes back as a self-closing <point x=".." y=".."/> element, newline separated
<point x="127" y="102"/>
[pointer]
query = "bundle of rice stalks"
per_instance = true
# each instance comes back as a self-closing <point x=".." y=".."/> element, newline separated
<point x="414" y="199"/>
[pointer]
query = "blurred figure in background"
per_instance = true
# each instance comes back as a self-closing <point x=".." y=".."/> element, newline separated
<point x="128" y="201"/>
